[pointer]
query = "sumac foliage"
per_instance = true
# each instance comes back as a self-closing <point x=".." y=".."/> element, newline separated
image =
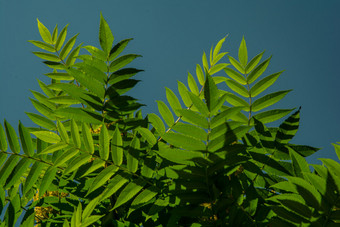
<point x="207" y="158"/>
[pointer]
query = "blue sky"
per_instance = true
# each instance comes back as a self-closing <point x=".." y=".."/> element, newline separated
<point x="303" y="37"/>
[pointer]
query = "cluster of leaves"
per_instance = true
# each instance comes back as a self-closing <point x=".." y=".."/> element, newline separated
<point x="94" y="160"/>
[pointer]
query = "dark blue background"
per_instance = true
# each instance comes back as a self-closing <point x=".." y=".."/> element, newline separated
<point x="303" y="37"/>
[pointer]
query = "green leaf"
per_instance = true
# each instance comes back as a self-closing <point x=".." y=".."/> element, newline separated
<point x="216" y="68"/>
<point x="242" y="53"/>
<point x="236" y="64"/>
<point x="288" y="128"/>
<point x="192" y="84"/>
<point x="165" y="113"/>
<point x="102" y="178"/>
<point x="129" y="192"/>
<point x="33" y="176"/>
<point x="67" y="155"/>
<point x="87" y="138"/>
<point x="3" y="142"/>
<point x="77" y="162"/>
<point x="19" y="169"/>
<point x="117" y="147"/>
<point x="46" y="90"/>
<point x="145" y="196"/>
<point x="61" y="38"/>
<point x="12" y="138"/>
<point x="157" y="123"/>
<point x="7" y="168"/>
<point x="55" y="34"/>
<point x="194" y="118"/>
<point x="97" y="53"/>
<point x="43" y="100"/>
<point x="146" y="134"/>
<point x="47" y="136"/>
<point x="26" y="140"/>
<point x="236" y="101"/>
<point x="258" y="71"/>
<point x="118" y="48"/>
<point x="93" y="166"/>
<point x="199" y="104"/>
<point x="47" y="56"/>
<point x="118" y="181"/>
<point x="92" y="84"/>
<point x="199" y="74"/>
<point x="104" y="143"/>
<point x="223" y="116"/>
<point x="235" y="76"/>
<point x="253" y="62"/>
<point x="122" y="61"/>
<point x="336" y="148"/>
<point x="184" y="95"/>
<point x="211" y="93"/>
<point x="105" y="35"/>
<point x="264" y="84"/>
<point x="184" y="141"/>
<point x="218" y="47"/>
<point x="59" y="76"/>
<point x="173" y="101"/>
<point x="334" y="169"/>
<point x="217" y="58"/>
<point x="53" y="148"/>
<point x="63" y="99"/>
<point x="72" y="57"/>
<point x="42" y="121"/>
<point x="43" y="45"/>
<point x="190" y="130"/>
<point x="46" y="181"/>
<point x="81" y="115"/>
<point x="44" y="33"/>
<point x="205" y="62"/>
<point x="236" y="87"/>
<point x="133" y="155"/>
<point x="268" y="100"/>
<point x="44" y="110"/>
<point x="300" y="164"/>
<point x="62" y="132"/>
<point x="68" y="47"/>
<point x="178" y="155"/>
<point x="272" y="115"/>
<point x="75" y="134"/>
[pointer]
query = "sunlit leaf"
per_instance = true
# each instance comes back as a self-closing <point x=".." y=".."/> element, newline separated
<point x="26" y="140"/>
<point x="216" y="68"/>
<point x="257" y="72"/>
<point x="235" y="76"/>
<point x="44" y="33"/>
<point x="105" y="35"/>
<point x="67" y="155"/>
<point x="47" y="179"/>
<point x="272" y="115"/>
<point x="43" y="45"/>
<point x="192" y="84"/>
<point x="122" y="61"/>
<point x="194" y="118"/>
<point x="129" y="192"/>
<point x="53" y="148"/>
<point x="118" y="48"/>
<point x="165" y="113"/>
<point x="75" y="134"/>
<point x="102" y="178"/>
<point x="264" y="84"/>
<point x="61" y="38"/>
<point x="133" y="155"/>
<point x="87" y="138"/>
<point x="146" y="134"/>
<point x="47" y="136"/>
<point x="68" y="47"/>
<point x="12" y="138"/>
<point x="242" y="53"/>
<point x="253" y="63"/>
<point x="183" y="141"/>
<point x="47" y="56"/>
<point x="268" y="100"/>
<point x="173" y="101"/>
<point x="199" y="74"/>
<point x="211" y="93"/>
<point x="199" y="104"/>
<point x="104" y="143"/>
<point x="182" y="89"/>
<point x="3" y="142"/>
<point x="236" y="87"/>
<point x="236" y="64"/>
